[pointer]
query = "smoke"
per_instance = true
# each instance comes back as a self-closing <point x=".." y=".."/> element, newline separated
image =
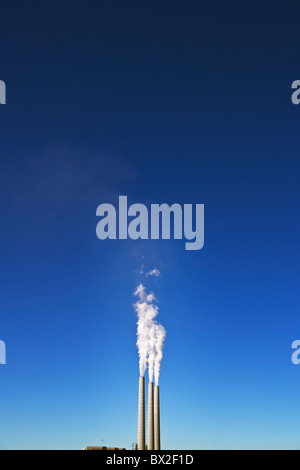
<point x="146" y="312"/>
<point x="154" y="272"/>
<point x="150" y="335"/>
<point x="160" y="338"/>
<point x="152" y="351"/>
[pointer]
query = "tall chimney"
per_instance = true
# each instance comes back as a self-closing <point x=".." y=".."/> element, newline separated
<point x="156" y="419"/>
<point x="141" y="415"/>
<point x="150" y="433"/>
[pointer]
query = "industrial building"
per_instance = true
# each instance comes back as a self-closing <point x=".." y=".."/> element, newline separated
<point x="153" y="425"/>
<point x="103" y="448"/>
<point x="153" y="420"/>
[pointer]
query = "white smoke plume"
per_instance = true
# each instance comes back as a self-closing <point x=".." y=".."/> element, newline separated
<point x="150" y="335"/>
<point x="152" y="351"/>
<point x="160" y="338"/>
<point x="154" y="272"/>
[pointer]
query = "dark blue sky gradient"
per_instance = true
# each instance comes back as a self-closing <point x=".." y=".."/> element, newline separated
<point x="162" y="101"/>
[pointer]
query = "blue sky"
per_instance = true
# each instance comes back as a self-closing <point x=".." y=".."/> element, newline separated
<point x="185" y="102"/>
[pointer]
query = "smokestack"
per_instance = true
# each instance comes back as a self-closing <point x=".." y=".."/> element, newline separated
<point x="141" y="415"/>
<point x="150" y="433"/>
<point x="156" y="419"/>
